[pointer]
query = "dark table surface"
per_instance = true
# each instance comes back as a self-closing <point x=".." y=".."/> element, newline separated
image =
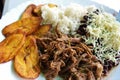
<point x="1" y="7"/>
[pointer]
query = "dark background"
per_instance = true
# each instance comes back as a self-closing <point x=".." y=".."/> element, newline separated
<point x="1" y="7"/>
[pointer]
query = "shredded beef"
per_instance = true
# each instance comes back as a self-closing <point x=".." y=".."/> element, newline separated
<point x="67" y="57"/>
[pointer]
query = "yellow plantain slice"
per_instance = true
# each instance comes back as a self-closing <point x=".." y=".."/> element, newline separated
<point x="26" y="62"/>
<point x="42" y="30"/>
<point x="25" y="26"/>
<point x="28" y="11"/>
<point x="37" y="10"/>
<point x="10" y="46"/>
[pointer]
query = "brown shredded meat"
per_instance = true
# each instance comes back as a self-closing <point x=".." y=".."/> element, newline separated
<point x="67" y="57"/>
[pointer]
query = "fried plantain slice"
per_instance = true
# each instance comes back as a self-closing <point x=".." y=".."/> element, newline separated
<point x="37" y="10"/>
<point x="42" y="30"/>
<point x="25" y="26"/>
<point x="28" y="11"/>
<point x="26" y="62"/>
<point x="10" y="46"/>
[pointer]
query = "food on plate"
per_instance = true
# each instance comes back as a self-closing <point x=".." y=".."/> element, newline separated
<point x="42" y="30"/>
<point x="72" y="41"/>
<point x="10" y="46"/>
<point x="67" y="57"/>
<point x="96" y="27"/>
<point x="20" y="43"/>
<point x="25" y="26"/>
<point x="26" y="62"/>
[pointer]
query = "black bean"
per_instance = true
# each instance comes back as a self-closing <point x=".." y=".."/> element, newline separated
<point x="83" y="25"/>
<point x="111" y="62"/>
<point x="93" y="52"/>
<point x="83" y="21"/>
<point x="85" y="17"/>
<point x="110" y="66"/>
<point x="105" y="62"/>
<point x="97" y="10"/>
<point x="105" y="72"/>
<point x="98" y="49"/>
<point x="98" y="40"/>
<point x="105" y="67"/>
<point x="82" y="31"/>
<point x="117" y="56"/>
<point x="89" y="22"/>
<point x="90" y="44"/>
<point x="82" y="40"/>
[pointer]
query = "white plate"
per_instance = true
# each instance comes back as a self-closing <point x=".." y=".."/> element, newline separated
<point x="6" y="69"/>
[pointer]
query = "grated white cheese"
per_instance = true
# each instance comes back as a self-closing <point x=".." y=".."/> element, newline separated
<point x="106" y="27"/>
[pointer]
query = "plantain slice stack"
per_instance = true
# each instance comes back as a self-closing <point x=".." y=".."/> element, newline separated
<point x="26" y="62"/>
<point x="20" y="45"/>
<point x="29" y="11"/>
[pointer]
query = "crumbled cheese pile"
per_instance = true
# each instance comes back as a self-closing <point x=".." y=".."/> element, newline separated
<point x="104" y="29"/>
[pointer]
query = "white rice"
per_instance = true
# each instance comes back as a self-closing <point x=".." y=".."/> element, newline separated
<point x="67" y="19"/>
